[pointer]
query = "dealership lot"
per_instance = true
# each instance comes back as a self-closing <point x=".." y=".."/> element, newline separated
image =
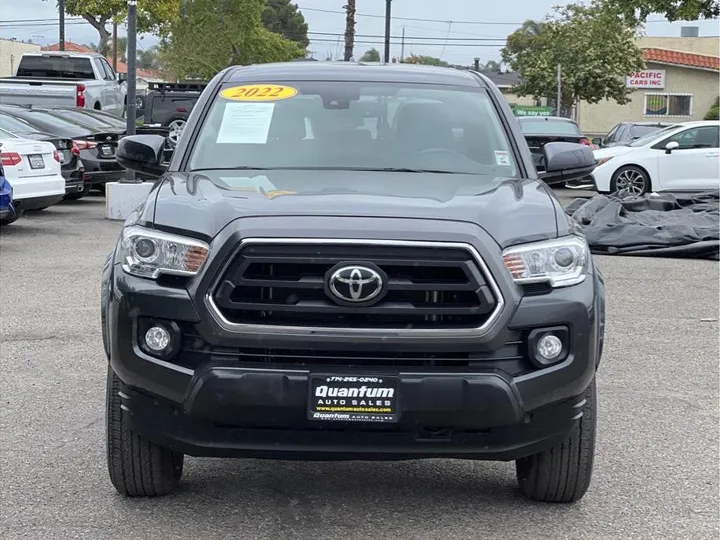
<point x="656" y="466"/>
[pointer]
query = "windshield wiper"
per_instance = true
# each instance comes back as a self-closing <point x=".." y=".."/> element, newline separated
<point x="360" y="169"/>
<point x="240" y="168"/>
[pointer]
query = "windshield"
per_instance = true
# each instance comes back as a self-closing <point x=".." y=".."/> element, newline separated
<point x="549" y="127"/>
<point x="653" y="136"/>
<point x="7" y="135"/>
<point x="52" y="124"/>
<point x="640" y="131"/>
<point x="354" y="126"/>
<point x="16" y="125"/>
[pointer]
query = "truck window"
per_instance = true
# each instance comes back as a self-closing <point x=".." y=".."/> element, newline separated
<point x="56" y="67"/>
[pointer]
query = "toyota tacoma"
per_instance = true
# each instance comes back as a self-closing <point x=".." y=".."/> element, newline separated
<point x="348" y="261"/>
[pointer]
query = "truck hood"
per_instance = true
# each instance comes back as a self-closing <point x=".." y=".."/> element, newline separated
<point x="512" y="211"/>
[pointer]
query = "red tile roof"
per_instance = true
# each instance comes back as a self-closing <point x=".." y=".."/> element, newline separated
<point x="667" y="56"/>
<point x="121" y="66"/>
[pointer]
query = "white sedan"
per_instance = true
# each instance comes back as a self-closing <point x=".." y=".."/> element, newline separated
<point x="33" y="170"/>
<point x="682" y="157"/>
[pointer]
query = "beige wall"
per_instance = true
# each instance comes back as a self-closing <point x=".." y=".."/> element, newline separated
<point x="10" y="53"/>
<point x="700" y="45"/>
<point x="517" y="100"/>
<point x="704" y="86"/>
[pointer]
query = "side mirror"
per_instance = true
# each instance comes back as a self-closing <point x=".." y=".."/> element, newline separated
<point x="566" y="161"/>
<point x="142" y="153"/>
<point x="672" y="145"/>
<point x="121" y="77"/>
<point x="597" y="141"/>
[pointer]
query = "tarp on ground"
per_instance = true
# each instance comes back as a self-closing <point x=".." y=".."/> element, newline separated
<point x="655" y="225"/>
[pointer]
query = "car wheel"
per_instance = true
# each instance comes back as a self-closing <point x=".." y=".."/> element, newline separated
<point x="632" y="180"/>
<point x="9" y="221"/>
<point x="562" y="473"/>
<point x="137" y="467"/>
<point x="175" y="130"/>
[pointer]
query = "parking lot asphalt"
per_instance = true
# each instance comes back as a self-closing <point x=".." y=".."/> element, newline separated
<point x="656" y="469"/>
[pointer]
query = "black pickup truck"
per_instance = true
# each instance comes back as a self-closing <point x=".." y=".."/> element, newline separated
<point x="352" y="262"/>
<point x="168" y="105"/>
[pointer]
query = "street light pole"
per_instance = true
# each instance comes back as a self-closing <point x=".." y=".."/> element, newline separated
<point x="131" y="78"/>
<point x="61" y="10"/>
<point x="388" y="9"/>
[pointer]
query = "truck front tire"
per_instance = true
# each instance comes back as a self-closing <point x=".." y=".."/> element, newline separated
<point x="562" y="473"/>
<point x="137" y="467"/>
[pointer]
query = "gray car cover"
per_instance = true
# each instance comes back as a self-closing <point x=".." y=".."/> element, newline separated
<point x="655" y="225"/>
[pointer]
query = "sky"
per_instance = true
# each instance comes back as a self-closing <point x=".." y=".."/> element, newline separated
<point x="455" y="30"/>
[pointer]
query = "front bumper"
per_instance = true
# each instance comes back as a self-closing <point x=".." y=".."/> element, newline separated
<point x="212" y="399"/>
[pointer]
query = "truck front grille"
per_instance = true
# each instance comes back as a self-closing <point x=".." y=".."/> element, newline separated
<point x="287" y="285"/>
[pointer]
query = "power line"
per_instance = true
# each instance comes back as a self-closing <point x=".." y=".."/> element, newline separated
<point x="490" y="23"/>
<point x="337" y="34"/>
<point x="416" y="44"/>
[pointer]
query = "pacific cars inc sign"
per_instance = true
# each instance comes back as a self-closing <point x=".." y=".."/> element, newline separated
<point x="648" y="78"/>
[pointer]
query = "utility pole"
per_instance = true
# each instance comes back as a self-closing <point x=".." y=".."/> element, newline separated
<point x="559" y="90"/>
<point x="349" y="30"/>
<point x="61" y="10"/>
<point x="402" y="45"/>
<point x="388" y="9"/>
<point x="131" y="78"/>
<point x="115" y="48"/>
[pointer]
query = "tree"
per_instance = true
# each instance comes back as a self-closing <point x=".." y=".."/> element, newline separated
<point x="714" y="112"/>
<point x="426" y="60"/>
<point x="152" y="16"/>
<point x="492" y="65"/>
<point x="371" y="55"/>
<point x="282" y="17"/>
<point x="214" y="34"/>
<point x="594" y="45"/>
<point x="637" y="11"/>
<point x="149" y="59"/>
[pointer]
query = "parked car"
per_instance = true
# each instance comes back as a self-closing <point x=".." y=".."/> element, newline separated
<point x="169" y="105"/>
<point x="71" y="165"/>
<point x="96" y="146"/>
<point x="33" y="170"/>
<point x="65" y="79"/>
<point x="681" y="157"/>
<point x="540" y="130"/>
<point x="8" y="214"/>
<point x="298" y="286"/>
<point x="87" y="117"/>
<point x="625" y="132"/>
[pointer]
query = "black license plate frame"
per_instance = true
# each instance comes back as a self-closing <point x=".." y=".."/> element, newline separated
<point x="107" y="150"/>
<point x="353" y="398"/>
<point x="36" y="161"/>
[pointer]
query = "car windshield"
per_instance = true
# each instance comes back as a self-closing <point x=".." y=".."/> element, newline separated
<point x="650" y="137"/>
<point x="15" y="125"/>
<point x="7" y="135"/>
<point x="640" y="131"/>
<point x="354" y="126"/>
<point x="52" y="124"/>
<point x="538" y="126"/>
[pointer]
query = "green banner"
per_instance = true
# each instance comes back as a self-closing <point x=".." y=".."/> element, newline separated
<point x="527" y="110"/>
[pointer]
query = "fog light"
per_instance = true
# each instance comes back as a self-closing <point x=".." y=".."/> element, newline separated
<point x="549" y="347"/>
<point x="157" y="338"/>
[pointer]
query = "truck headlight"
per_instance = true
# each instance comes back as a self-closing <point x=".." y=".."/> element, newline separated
<point x="147" y="253"/>
<point x="560" y="262"/>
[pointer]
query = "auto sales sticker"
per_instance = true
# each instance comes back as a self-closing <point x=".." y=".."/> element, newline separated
<point x="259" y="92"/>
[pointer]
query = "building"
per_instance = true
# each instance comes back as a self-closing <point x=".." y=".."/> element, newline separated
<point x="680" y="83"/>
<point x="505" y="81"/>
<point x="11" y="51"/>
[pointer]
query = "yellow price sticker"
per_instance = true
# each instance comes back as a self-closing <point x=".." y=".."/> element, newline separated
<point x="259" y="92"/>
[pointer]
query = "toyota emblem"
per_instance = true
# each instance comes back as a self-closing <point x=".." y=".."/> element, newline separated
<point x="355" y="284"/>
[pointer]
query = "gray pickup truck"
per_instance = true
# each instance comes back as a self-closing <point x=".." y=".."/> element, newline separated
<point x="65" y="79"/>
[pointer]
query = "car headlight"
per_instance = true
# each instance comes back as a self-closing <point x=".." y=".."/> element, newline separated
<point x="602" y="161"/>
<point x="147" y="253"/>
<point x="560" y="262"/>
